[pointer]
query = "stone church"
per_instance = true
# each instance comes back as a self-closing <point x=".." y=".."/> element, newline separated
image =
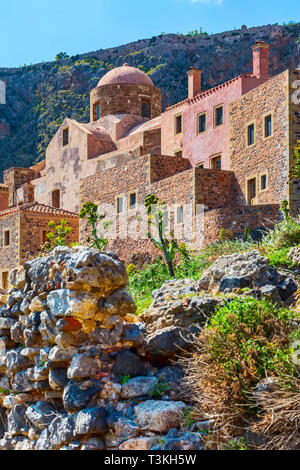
<point x="226" y="150"/>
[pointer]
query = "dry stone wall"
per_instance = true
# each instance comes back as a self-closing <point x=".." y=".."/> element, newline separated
<point x="77" y="371"/>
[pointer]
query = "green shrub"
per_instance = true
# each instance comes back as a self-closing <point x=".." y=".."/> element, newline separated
<point x="285" y="235"/>
<point x="280" y="258"/>
<point x="249" y="338"/>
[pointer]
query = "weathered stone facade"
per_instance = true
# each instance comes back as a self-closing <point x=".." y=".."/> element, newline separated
<point x="228" y="169"/>
<point x="23" y="232"/>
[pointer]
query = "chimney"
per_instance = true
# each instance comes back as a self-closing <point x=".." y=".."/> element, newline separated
<point x="194" y="87"/>
<point x="28" y="193"/>
<point x="261" y="60"/>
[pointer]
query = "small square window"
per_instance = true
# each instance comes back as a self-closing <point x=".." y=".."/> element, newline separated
<point x="178" y="124"/>
<point x="179" y="215"/>
<point x="44" y="237"/>
<point x="97" y="111"/>
<point x="56" y="198"/>
<point x="263" y="182"/>
<point x="146" y="109"/>
<point x="219" y="118"/>
<point x="132" y="200"/>
<point x="201" y="123"/>
<point x="216" y="163"/>
<point x="6" y="238"/>
<point x="165" y="218"/>
<point x="66" y="137"/>
<point x="200" y="165"/>
<point x="250" y="135"/>
<point x="268" y="126"/>
<point x="120" y="205"/>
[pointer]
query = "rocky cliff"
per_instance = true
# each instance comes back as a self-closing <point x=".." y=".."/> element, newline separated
<point x="40" y="96"/>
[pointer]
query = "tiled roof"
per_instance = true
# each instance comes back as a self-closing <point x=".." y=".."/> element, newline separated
<point x="39" y="208"/>
<point x="206" y="93"/>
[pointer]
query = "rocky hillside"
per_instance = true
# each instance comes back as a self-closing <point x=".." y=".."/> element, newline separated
<point x="40" y="96"/>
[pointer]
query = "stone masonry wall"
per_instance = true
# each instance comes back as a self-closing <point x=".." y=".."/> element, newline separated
<point x="9" y="255"/>
<point x="294" y="133"/>
<point x="126" y="99"/>
<point x="32" y="227"/>
<point x="238" y="219"/>
<point x="77" y="372"/>
<point x="214" y="188"/>
<point x="268" y="156"/>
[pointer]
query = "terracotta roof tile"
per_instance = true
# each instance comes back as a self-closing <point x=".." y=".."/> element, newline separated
<point x="37" y="207"/>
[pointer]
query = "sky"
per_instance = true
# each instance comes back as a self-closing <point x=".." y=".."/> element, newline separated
<point x="33" y="31"/>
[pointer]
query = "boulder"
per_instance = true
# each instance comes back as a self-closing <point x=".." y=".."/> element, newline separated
<point x="91" y="421"/>
<point x="16" y="422"/>
<point x="140" y="443"/>
<point x="234" y="272"/>
<point x="86" y="268"/>
<point x="77" y="395"/>
<point x="168" y="341"/>
<point x="66" y="302"/>
<point x="128" y="363"/>
<point x="138" y="387"/>
<point x="182" y="441"/>
<point x="60" y="431"/>
<point x="82" y="365"/>
<point x="41" y="414"/>
<point x="158" y="415"/>
<point x="58" y="378"/>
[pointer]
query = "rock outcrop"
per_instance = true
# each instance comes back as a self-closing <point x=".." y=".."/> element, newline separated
<point x="76" y="369"/>
<point x="247" y="271"/>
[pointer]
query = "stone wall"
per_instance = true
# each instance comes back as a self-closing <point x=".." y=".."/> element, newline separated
<point x="9" y="255"/>
<point x="214" y="188"/>
<point x="162" y="166"/>
<point x="238" y="219"/>
<point x="77" y="372"/>
<point x="14" y="178"/>
<point x="33" y="226"/>
<point x="294" y="133"/>
<point x="268" y="156"/>
<point x="125" y="98"/>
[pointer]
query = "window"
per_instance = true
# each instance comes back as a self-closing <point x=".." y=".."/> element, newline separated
<point x="200" y="165"/>
<point x="120" y="205"/>
<point x="5" y="282"/>
<point x="218" y="116"/>
<point x="178" y="124"/>
<point x="216" y="162"/>
<point x="132" y="201"/>
<point x="178" y="153"/>
<point x="97" y="111"/>
<point x="66" y="137"/>
<point x="263" y="182"/>
<point x="250" y="135"/>
<point x="179" y="215"/>
<point x="165" y="219"/>
<point x="201" y="123"/>
<point x="6" y="238"/>
<point x="251" y="190"/>
<point x="44" y="237"/>
<point x="56" y="198"/>
<point x="268" y="126"/>
<point x="146" y="109"/>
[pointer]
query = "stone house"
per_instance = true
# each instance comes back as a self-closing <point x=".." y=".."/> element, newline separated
<point x="222" y="156"/>
<point x="23" y="231"/>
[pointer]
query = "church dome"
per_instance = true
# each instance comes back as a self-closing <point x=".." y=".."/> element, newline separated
<point x="126" y="74"/>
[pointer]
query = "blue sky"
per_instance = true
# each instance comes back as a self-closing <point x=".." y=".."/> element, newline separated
<point x="32" y="31"/>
